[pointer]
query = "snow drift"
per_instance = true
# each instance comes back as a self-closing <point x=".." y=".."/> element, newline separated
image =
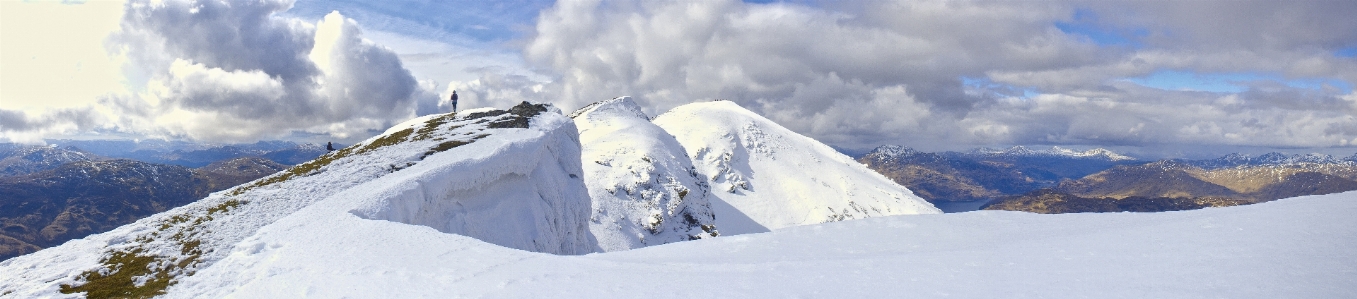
<point x="766" y="177"/>
<point x="644" y="188"/>
<point x="521" y="190"/>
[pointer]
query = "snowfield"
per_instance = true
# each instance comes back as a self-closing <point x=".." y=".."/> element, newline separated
<point x="1292" y="248"/>
<point x="497" y="204"/>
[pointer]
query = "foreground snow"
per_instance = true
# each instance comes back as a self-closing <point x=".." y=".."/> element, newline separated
<point x="1292" y="248"/>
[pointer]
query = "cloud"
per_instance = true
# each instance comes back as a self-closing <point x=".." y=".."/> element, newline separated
<point x="955" y="74"/>
<point x="935" y="75"/>
<point x="18" y="126"/>
<point x="234" y="71"/>
<point x="820" y="71"/>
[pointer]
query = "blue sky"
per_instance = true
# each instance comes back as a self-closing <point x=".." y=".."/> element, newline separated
<point x="1154" y="77"/>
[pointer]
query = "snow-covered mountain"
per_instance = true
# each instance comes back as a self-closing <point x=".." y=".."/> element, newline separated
<point x="766" y="177"/>
<point x="643" y="186"/>
<point x="510" y="178"/>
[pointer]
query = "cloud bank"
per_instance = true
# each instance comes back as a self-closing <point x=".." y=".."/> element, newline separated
<point x="935" y="75"/>
<point x="956" y="74"/>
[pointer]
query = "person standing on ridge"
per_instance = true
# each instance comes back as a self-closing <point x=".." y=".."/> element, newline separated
<point x="454" y="101"/>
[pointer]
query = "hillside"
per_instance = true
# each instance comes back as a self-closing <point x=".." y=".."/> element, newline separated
<point x="16" y="159"/>
<point x="77" y="199"/>
<point x="229" y="173"/>
<point x="938" y="177"/>
<point x="508" y="177"/>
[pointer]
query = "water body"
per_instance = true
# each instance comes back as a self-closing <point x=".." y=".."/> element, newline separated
<point x="959" y="206"/>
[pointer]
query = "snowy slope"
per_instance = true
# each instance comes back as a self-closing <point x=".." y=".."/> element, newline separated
<point x="1292" y="248"/>
<point x="643" y="186"/>
<point x="766" y="177"/>
<point x="510" y="178"/>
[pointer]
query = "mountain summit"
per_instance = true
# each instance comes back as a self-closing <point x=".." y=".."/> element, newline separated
<point x="644" y="188"/>
<point x="765" y="177"/>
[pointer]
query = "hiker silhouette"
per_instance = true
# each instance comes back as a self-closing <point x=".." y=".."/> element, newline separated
<point x="453" y="98"/>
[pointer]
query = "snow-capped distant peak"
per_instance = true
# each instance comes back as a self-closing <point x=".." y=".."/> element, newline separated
<point x="892" y="151"/>
<point x="1272" y="159"/>
<point x="1054" y="151"/>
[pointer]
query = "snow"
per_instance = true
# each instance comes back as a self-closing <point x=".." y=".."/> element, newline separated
<point x="1292" y="248"/>
<point x="516" y="187"/>
<point x="766" y="177"/>
<point x="505" y="215"/>
<point x="521" y="189"/>
<point x="643" y="186"/>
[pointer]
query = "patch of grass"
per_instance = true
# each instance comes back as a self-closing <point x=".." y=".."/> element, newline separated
<point x="447" y="145"/>
<point x="388" y="140"/>
<point x="224" y="206"/>
<point x="176" y="219"/>
<point x="432" y="126"/>
<point x="121" y="268"/>
<point x="117" y="278"/>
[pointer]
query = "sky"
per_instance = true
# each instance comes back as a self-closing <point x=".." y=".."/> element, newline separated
<point x="1153" y="78"/>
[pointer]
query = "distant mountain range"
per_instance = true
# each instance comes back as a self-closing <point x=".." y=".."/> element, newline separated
<point x="1059" y="180"/>
<point x="50" y="194"/>
<point x="193" y="154"/>
<point x="1189" y="184"/>
<point x="985" y="174"/>
<point x="76" y="199"/>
